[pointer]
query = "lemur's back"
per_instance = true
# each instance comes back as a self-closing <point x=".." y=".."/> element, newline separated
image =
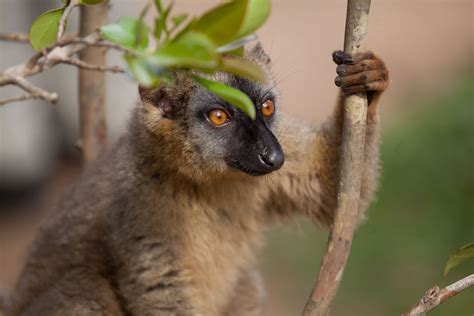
<point x="74" y="233"/>
<point x="82" y="231"/>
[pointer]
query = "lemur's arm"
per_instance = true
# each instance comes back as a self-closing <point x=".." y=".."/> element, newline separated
<point x="308" y="181"/>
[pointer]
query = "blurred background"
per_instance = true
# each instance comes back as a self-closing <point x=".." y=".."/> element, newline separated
<point x="425" y="207"/>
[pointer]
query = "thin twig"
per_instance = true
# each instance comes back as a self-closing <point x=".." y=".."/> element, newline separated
<point x="65" y="40"/>
<point x="34" y="92"/>
<point x="39" y="62"/>
<point x="59" y="52"/>
<point x="104" y="44"/>
<point x="83" y="65"/>
<point x="50" y="97"/>
<point x="42" y="61"/>
<point x="62" y="21"/>
<point x="434" y="296"/>
<point x="14" y="37"/>
<point x="18" y="98"/>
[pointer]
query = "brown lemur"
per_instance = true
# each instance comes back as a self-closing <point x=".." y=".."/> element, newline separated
<point x="167" y="222"/>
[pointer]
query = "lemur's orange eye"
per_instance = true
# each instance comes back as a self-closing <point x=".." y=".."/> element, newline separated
<point x="268" y="108"/>
<point x="218" y="117"/>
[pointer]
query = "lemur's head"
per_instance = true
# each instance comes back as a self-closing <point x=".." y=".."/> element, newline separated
<point x="194" y="132"/>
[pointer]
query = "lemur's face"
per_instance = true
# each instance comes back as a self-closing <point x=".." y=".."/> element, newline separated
<point x="220" y="131"/>
<point x="207" y="136"/>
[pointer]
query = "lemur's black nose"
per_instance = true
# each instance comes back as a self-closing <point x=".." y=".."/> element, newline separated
<point x="273" y="158"/>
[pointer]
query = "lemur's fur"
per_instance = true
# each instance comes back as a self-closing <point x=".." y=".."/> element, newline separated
<point x="160" y="225"/>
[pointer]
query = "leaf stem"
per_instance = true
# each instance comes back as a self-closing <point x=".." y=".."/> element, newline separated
<point x="62" y="22"/>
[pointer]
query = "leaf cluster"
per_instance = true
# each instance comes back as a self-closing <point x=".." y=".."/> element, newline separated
<point x="179" y="43"/>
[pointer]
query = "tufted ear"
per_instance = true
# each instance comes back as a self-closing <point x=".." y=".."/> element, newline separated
<point x="159" y="98"/>
<point x="258" y="53"/>
<point x="147" y="94"/>
<point x="172" y="99"/>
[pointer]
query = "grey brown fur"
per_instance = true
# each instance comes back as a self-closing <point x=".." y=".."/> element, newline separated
<point x="160" y="225"/>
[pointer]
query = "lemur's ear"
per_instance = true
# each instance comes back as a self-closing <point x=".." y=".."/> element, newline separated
<point x="159" y="98"/>
<point x="170" y="99"/>
<point x="257" y="53"/>
<point x="148" y="94"/>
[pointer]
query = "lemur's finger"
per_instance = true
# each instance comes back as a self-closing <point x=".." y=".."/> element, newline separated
<point x="360" y="78"/>
<point x="365" y="65"/>
<point x="358" y="57"/>
<point x="374" y="86"/>
<point x="340" y="57"/>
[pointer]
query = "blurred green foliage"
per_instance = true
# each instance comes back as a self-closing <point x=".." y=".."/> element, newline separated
<point x="423" y="213"/>
<point x="459" y="256"/>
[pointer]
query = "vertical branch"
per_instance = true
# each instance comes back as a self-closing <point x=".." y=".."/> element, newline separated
<point x="92" y="87"/>
<point x="353" y="142"/>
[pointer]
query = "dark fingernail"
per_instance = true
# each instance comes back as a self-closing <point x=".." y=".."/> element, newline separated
<point x="338" y="81"/>
<point x="340" y="69"/>
<point x="338" y="56"/>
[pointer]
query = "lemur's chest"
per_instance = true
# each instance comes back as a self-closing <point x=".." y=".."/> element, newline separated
<point x="219" y="241"/>
<point x="213" y="264"/>
<point x="218" y="234"/>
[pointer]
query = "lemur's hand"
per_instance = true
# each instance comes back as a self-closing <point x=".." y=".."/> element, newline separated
<point x="360" y="72"/>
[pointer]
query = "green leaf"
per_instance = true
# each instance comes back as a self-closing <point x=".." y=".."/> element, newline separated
<point x="141" y="32"/>
<point x="233" y="20"/>
<point x="229" y="94"/>
<point x="238" y="52"/>
<point x="44" y="29"/>
<point x="257" y="13"/>
<point x="222" y="23"/>
<point x="161" y="22"/>
<point x="159" y="6"/>
<point x="177" y="20"/>
<point x="93" y="2"/>
<point x="159" y="26"/>
<point x="192" y="50"/>
<point x="190" y="26"/>
<point x="141" y="72"/>
<point x="125" y="33"/>
<point x="459" y="256"/>
<point x="243" y="68"/>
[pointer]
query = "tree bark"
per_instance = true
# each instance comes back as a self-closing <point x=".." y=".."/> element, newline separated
<point x="353" y="142"/>
<point x="92" y="87"/>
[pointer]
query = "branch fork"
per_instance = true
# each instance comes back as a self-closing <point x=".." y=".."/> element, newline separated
<point x="62" y="51"/>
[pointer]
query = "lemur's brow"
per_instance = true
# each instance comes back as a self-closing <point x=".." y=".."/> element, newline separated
<point x="268" y="94"/>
